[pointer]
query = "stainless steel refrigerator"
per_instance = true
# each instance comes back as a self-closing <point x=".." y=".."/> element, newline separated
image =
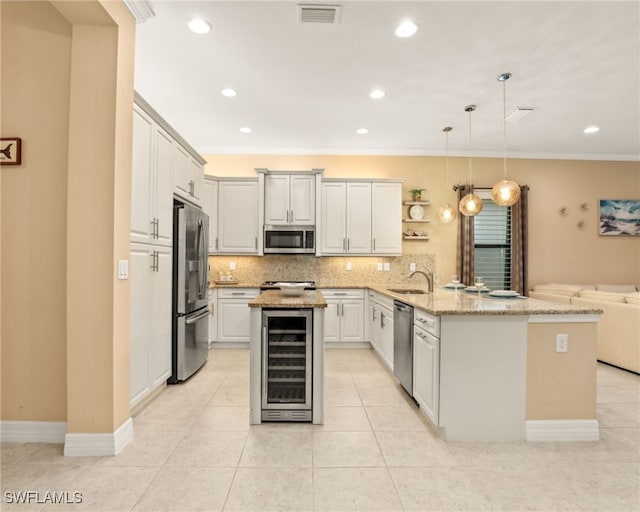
<point x="190" y="291"/>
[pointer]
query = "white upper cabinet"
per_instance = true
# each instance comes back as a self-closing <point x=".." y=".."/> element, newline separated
<point x="238" y="217"/>
<point x="386" y="218"/>
<point x="189" y="181"/>
<point x="358" y="218"/>
<point x="289" y="199"/>
<point x="346" y="218"/>
<point x="210" y="207"/>
<point x="151" y="181"/>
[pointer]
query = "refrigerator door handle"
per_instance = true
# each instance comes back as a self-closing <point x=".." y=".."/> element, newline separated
<point x="193" y="319"/>
<point x="201" y="262"/>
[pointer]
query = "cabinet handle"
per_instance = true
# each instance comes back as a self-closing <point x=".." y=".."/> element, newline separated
<point x="157" y="227"/>
<point x="339" y="294"/>
<point x="382" y="320"/>
<point x="374" y="314"/>
<point x="374" y="244"/>
<point x="348" y="244"/>
<point x="216" y="243"/>
<point x="291" y="216"/>
<point x="237" y="293"/>
<point x="155" y="262"/>
<point x="338" y="309"/>
<point x="421" y="335"/>
<point x="256" y="243"/>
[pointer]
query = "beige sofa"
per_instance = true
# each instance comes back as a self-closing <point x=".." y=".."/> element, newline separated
<point x="619" y="327"/>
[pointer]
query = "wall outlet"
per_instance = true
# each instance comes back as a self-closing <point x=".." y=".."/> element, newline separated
<point x="387" y="266"/>
<point x="562" y="342"/>
<point x="232" y="265"/>
<point x="379" y="267"/>
<point x="348" y="265"/>
<point x="412" y="267"/>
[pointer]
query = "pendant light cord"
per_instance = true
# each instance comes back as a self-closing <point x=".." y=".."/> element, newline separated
<point x="470" y="164"/>
<point x="504" y="126"/>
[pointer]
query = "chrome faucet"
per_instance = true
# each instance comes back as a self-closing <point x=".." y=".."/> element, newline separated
<point x="428" y="274"/>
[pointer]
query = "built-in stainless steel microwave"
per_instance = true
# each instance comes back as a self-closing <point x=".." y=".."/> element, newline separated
<point x="289" y="239"/>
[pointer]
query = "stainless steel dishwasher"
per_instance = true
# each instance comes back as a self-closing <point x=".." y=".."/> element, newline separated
<point x="403" y="344"/>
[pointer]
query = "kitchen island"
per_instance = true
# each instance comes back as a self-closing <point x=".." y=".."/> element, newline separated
<point x="286" y="380"/>
<point x="496" y="368"/>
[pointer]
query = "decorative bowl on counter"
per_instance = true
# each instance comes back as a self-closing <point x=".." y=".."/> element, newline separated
<point x="292" y="289"/>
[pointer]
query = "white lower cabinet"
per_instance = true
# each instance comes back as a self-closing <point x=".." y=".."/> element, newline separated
<point x="380" y="320"/>
<point x="234" y="314"/>
<point x="344" y="315"/>
<point x="426" y="365"/>
<point x="150" y="271"/>
<point x="213" y="315"/>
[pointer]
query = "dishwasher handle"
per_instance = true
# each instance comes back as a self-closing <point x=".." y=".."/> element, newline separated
<point x="400" y="306"/>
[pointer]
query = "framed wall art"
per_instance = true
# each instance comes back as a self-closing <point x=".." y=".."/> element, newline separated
<point x="620" y="217"/>
<point x="10" y="151"/>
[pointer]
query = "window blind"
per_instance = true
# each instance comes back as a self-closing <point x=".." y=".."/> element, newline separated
<point x="493" y="243"/>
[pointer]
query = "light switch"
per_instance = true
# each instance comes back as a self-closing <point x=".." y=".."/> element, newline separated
<point x="380" y="267"/>
<point x="412" y="267"/>
<point x="123" y="269"/>
<point x="232" y="265"/>
<point x="387" y="266"/>
<point x="348" y="265"/>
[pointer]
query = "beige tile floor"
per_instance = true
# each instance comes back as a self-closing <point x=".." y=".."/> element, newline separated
<point x="194" y="450"/>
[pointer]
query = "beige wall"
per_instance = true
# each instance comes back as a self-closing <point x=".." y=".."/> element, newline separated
<point x="68" y="69"/>
<point x="561" y="386"/>
<point x="36" y="46"/>
<point x="559" y="251"/>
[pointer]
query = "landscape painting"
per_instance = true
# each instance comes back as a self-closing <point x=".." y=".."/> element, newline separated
<point x="620" y="217"/>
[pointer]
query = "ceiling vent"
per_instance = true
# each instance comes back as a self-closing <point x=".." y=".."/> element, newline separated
<point x="318" y="13"/>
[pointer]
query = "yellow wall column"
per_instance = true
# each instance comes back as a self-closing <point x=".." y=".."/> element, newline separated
<point x="98" y="212"/>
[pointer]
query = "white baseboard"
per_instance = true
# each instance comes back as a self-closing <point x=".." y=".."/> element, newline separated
<point x="563" y="430"/>
<point x="98" y="445"/>
<point x="33" y="431"/>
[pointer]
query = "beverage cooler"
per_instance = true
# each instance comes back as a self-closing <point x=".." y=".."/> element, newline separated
<point x="287" y="350"/>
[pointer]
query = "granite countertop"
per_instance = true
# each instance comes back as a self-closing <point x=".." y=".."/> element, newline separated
<point x="275" y="299"/>
<point x="450" y="302"/>
<point x="441" y="302"/>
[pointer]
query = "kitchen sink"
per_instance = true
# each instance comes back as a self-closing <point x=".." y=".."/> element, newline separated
<point x="408" y="291"/>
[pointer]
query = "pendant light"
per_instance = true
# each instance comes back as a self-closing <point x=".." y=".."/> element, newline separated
<point x="447" y="213"/>
<point x="505" y="192"/>
<point x="470" y="204"/>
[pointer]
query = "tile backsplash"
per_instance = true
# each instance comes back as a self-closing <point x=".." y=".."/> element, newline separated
<point x="328" y="269"/>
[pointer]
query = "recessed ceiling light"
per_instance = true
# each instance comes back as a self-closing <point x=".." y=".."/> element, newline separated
<point x="229" y="93"/>
<point x="245" y="129"/>
<point x="199" y="26"/>
<point x="406" y="29"/>
<point x="376" y="94"/>
<point x="362" y="131"/>
<point x="591" y="129"/>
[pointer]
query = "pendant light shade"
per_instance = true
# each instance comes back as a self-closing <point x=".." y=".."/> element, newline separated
<point x="447" y="213"/>
<point x="505" y="192"/>
<point x="470" y="204"/>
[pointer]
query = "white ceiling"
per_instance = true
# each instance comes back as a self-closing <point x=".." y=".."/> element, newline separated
<point x="303" y="88"/>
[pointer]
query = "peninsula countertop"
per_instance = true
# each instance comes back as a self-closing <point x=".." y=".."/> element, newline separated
<point x="450" y="302"/>
<point x="275" y="299"/>
<point x="440" y="302"/>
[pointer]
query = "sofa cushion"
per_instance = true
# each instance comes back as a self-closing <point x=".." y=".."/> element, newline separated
<point x="567" y="290"/>
<point x="633" y="298"/>
<point x="602" y="296"/>
<point x="616" y="288"/>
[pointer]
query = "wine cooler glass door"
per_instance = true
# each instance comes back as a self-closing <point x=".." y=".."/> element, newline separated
<point x="286" y="371"/>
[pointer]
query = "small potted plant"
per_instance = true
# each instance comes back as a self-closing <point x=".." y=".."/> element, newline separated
<point x="416" y="193"/>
